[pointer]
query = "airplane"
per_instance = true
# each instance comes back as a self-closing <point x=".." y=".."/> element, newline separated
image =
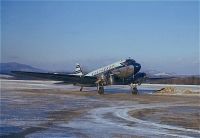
<point x="123" y="72"/>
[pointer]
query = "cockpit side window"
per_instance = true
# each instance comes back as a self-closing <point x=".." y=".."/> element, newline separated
<point x="130" y="61"/>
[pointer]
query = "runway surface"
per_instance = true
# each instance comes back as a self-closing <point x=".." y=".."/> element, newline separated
<point x="44" y="109"/>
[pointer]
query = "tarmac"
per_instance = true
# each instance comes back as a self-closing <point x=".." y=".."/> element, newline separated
<point x="44" y="109"/>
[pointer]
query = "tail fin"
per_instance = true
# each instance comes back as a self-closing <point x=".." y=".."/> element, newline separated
<point x="78" y="70"/>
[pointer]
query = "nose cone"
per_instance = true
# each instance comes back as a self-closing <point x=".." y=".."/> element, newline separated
<point x="137" y="68"/>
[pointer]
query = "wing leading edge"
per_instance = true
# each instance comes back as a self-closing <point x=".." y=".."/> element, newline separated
<point x="72" y="79"/>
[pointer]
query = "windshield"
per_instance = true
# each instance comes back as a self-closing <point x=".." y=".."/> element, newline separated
<point x="130" y="61"/>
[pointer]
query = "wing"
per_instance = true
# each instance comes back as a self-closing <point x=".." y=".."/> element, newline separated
<point x="160" y="79"/>
<point x="143" y="77"/>
<point x="72" y="79"/>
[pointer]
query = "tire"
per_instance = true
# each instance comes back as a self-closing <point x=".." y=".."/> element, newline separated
<point x="81" y="89"/>
<point x="101" y="90"/>
<point x="134" y="91"/>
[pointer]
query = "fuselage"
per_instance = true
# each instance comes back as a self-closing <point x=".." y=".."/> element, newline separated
<point x="121" y="69"/>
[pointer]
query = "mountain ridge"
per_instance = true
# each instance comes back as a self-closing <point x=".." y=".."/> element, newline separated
<point x="6" y="68"/>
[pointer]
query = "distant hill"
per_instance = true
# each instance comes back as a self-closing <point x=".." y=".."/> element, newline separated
<point x="176" y="79"/>
<point x="156" y="73"/>
<point x="6" y="68"/>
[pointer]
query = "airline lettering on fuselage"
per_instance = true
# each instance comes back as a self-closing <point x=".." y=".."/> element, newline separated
<point x="121" y="69"/>
<point x="101" y="70"/>
<point x="104" y="69"/>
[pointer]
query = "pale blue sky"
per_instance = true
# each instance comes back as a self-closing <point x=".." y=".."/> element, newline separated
<point x="55" y="35"/>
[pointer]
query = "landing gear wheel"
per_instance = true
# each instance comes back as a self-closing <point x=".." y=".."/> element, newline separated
<point x="81" y="88"/>
<point x="101" y="90"/>
<point x="134" y="91"/>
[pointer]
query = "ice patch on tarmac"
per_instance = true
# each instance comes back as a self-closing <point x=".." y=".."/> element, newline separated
<point x="95" y="120"/>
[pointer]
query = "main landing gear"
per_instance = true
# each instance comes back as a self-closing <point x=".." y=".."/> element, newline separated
<point x="100" y="88"/>
<point x="81" y="88"/>
<point x="134" y="89"/>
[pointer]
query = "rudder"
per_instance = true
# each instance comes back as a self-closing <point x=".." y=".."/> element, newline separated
<point x="78" y="70"/>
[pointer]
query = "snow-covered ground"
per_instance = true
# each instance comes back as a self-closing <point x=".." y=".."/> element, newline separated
<point x="44" y="109"/>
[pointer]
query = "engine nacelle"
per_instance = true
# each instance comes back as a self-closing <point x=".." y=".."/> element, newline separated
<point x="108" y="79"/>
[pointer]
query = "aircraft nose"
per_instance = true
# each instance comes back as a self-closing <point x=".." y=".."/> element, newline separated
<point x="137" y="68"/>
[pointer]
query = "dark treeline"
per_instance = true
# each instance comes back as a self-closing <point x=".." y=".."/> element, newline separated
<point x="193" y="80"/>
